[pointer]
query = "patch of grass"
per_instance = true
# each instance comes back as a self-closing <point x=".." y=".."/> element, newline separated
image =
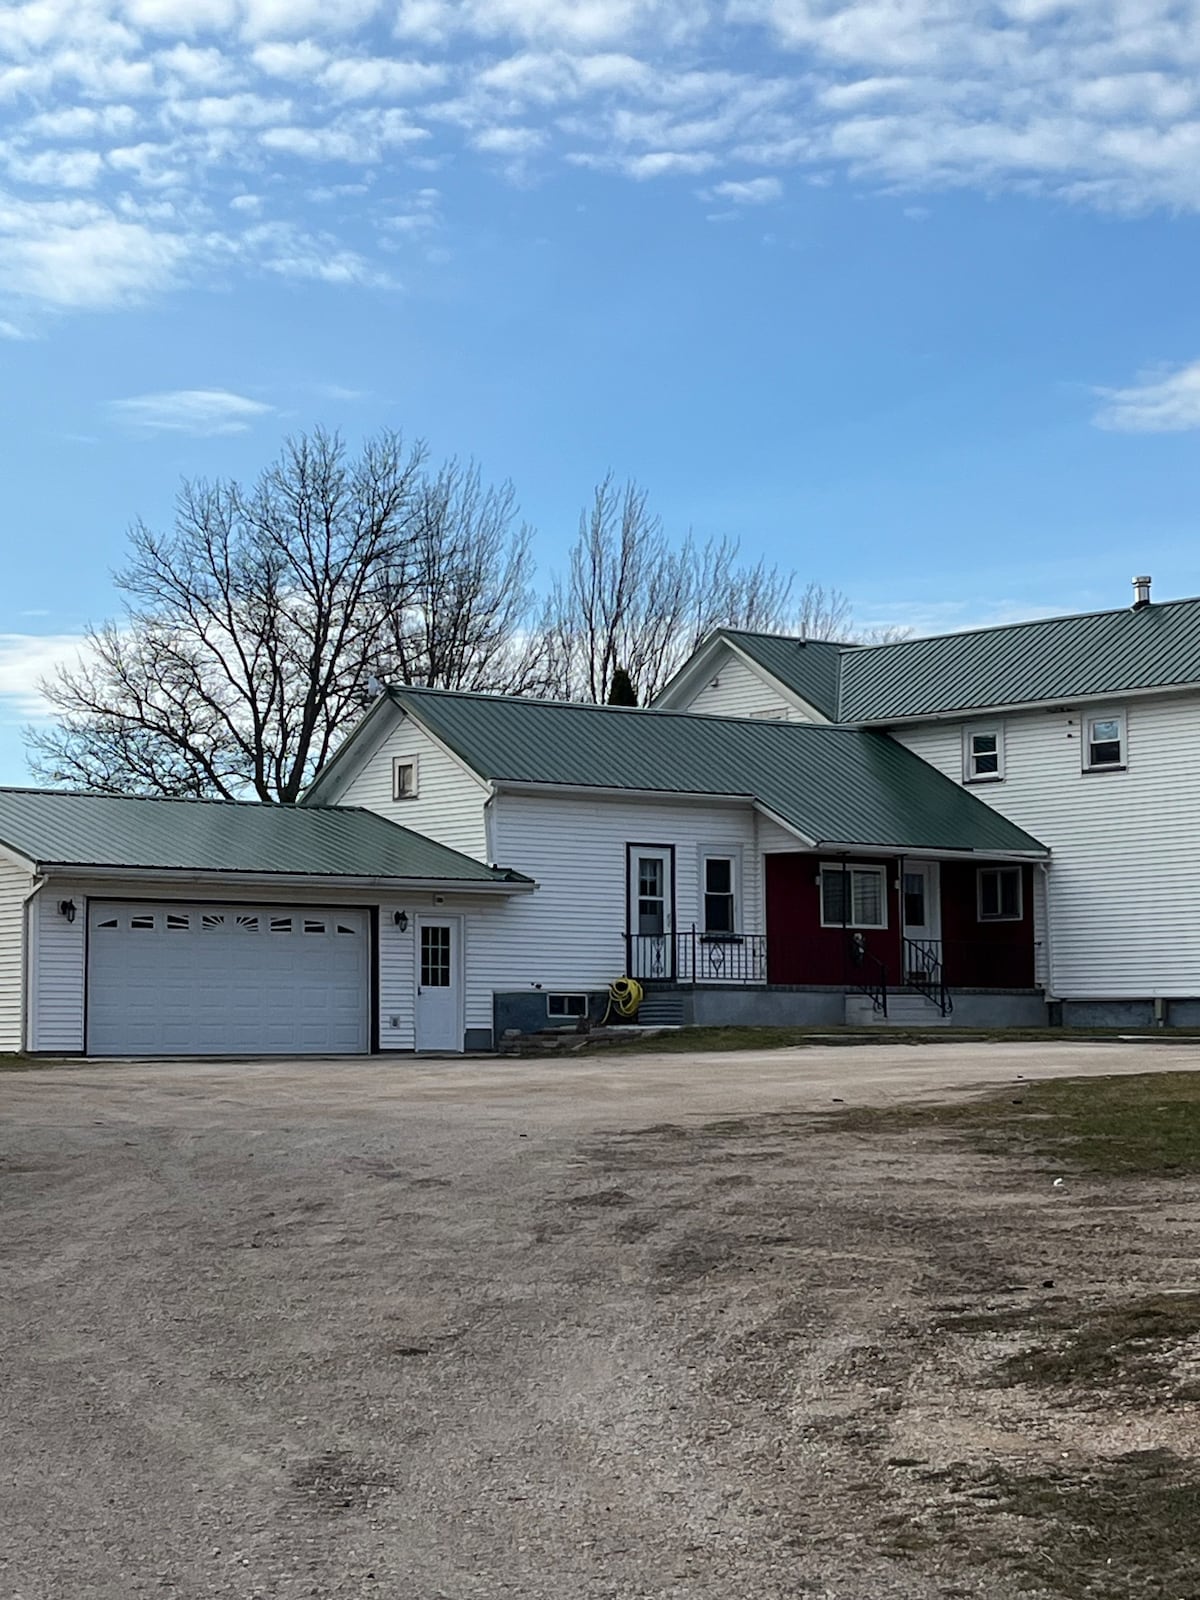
<point x="1122" y="1531"/>
<point x="1115" y="1346"/>
<point x="1138" y="1125"/>
<point x="22" y="1063"/>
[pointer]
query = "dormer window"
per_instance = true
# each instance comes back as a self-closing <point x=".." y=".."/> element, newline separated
<point x="983" y="753"/>
<point x="404" y="778"/>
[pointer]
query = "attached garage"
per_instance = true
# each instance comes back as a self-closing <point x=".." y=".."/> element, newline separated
<point x="169" y="978"/>
<point x="132" y="926"/>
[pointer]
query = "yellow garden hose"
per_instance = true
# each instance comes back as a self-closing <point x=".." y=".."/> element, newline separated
<point x="624" y="997"/>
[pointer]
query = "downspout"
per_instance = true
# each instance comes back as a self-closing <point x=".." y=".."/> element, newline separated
<point x="27" y="999"/>
<point x="1047" y="936"/>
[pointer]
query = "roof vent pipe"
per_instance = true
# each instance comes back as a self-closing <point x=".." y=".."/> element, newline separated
<point x="1141" y="593"/>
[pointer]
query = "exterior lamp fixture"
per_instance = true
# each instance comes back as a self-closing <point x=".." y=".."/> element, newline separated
<point x="400" y="918"/>
<point x="66" y="908"/>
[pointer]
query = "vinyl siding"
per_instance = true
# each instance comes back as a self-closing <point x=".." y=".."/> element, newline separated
<point x="570" y="933"/>
<point x="741" y="691"/>
<point x="15" y="884"/>
<point x="448" y="805"/>
<point x="1125" y="868"/>
<point x="58" y="958"/>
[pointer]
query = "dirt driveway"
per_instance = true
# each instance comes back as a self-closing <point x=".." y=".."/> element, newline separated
<point x="630" y="1328"/>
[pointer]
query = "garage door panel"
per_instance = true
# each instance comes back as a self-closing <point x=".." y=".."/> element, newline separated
<point x="229" y="979"/>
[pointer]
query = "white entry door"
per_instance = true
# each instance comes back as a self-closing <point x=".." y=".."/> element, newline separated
<point x="921" y="906"/>
<point x="651" y="913"/>
<point x="169" y="978"/>
<point x="439" y="984"/>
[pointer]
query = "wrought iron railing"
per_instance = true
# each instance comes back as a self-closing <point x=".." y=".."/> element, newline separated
<point x="924" y="972"/>
<point x="866" y="973"/>
<point x="689" y="956"/>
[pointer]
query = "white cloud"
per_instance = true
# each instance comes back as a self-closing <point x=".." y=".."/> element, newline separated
<point x="74" y="254"/>
<point x="203" y="412"/>
<point x="748" y="192"/>
<point x="10" y="330"/>
<point x="370" y="78"/>
<point x="509" y="141"/>
<point x="1163" y="402"/>
<point x="299" y="59"/>
<point x="27" y="658"/>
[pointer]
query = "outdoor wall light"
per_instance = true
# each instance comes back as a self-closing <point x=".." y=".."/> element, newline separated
<point x="66" y="908"/>
<point x="400" y="918"/>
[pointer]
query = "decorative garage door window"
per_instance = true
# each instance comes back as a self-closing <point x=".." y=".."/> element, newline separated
<point x="435" y="958"/>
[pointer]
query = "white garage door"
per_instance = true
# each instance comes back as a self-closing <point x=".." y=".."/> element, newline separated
<point x="171" y="979"/>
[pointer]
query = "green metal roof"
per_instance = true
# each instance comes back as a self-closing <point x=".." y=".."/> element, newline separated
<point x="808" y="667"/>
<point x="53" y="828"/>
<point x="833" y="784"/>
<point x="1055" y="659"/>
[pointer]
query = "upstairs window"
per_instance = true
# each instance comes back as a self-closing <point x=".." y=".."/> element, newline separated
<point x="1000" y="894"/>
<point x="720" y="901"/>
<point x="1104" y="742"/>
<point x="853" y="897"/>
<point x="404" y="778"/>
<point x="983" y="753"/>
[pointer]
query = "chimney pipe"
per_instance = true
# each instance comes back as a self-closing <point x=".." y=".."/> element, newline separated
<point x="1141" y="593"/>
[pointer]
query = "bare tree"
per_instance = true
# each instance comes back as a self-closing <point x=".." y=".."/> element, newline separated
<point x="456" y="611"/>
<point x="631" y="598"/>
<point x="249" y="630"/>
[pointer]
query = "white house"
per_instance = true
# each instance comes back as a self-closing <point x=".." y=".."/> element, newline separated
<point x="979" y="825"/>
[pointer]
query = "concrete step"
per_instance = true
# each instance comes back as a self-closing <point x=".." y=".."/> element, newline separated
<point x="904" y="1010"/>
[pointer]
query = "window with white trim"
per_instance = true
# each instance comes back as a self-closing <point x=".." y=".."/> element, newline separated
<point x="1000" y="897"/>
<point x="983" y="753"/>
<point x="720" y="894"/>
<point x="404" y="777"/>
<point x="1104" y="742"/>
<point x="853" y="897"/>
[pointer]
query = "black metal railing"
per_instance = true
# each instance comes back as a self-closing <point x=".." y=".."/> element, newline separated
<point x="866" y="973"/>
<point x="924" y="972"/>
<point x="690" y="956"/>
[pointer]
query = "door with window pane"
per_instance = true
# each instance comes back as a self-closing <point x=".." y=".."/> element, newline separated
<point x="439" y="988"/>
<point x="920" y="904"/>
<point x="651" y="913"/>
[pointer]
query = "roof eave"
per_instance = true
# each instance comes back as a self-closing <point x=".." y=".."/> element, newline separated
<point x="106" y="872"/>
<point x="1008" y="707"/>
<point x="932" y="852"/>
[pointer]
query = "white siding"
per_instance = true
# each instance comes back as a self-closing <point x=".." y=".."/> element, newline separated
<point x="570" y="933"/>
<point x="58" y="956"/>
<point x="1125" y="872"/>
<point x="15" y="884"/>
<point x="736" y="689"/>
<point x="449" y="802"/>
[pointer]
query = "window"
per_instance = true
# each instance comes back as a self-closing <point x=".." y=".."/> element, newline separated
<point x="720" y="895"/>
<point x="178" y="922"/>
<point x="141" y="922"/>
<point x="566" y="1005"/>
<point x="853" y="897"/>
<point x="109" y="922"/>
<point x="211" y="920"/>
<point x="999" y="894"/>
<point x="435" y="958"/>
<point x="1104" y="743"/>
<point x="342" y="928"/>
<point x="651" y="896"/>
<point x="404" y="778"/>
<point x="281" y="924"/>
<point x="983" y="754"/>
<point x="247" y="923"/>
<point x="311" y="925"/>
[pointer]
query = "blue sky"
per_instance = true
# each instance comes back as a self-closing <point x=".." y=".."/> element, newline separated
<point x="901" y="292"/>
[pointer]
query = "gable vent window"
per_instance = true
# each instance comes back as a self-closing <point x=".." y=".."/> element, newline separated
<point x="1000" y="894"/>
<point x="1104" y="743"/>
<point x="404" y="778"/>
<point x="983" y="754"/>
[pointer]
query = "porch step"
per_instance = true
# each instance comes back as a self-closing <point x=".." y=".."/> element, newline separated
<point x="661" y="1009"/>
<point x="906" y="1009"/>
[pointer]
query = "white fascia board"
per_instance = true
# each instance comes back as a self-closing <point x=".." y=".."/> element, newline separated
<point x="915" y="852"/>
<point x="1007" y="708"/>
<point x="307" y="887"/>
<point x="584" y="791"/>
<point x="11" y="853"/>
<point x="788" y="827"/>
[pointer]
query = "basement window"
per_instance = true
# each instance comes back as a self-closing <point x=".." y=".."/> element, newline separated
<point x="563" y="1006"/>
<point x="1000" y="894"/>
<point x="404" y="778"/>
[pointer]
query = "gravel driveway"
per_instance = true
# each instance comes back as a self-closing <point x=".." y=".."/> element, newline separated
<point x="446" y="1330"/>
